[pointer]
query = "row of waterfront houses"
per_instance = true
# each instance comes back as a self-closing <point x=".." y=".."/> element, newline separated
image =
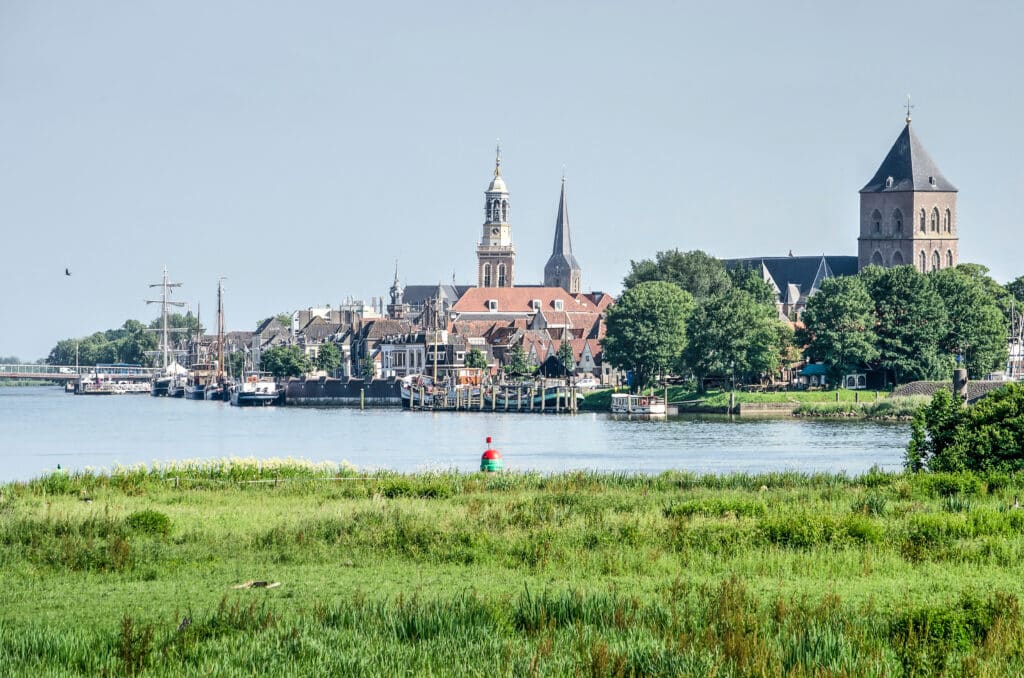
<point x="907" y="216"/>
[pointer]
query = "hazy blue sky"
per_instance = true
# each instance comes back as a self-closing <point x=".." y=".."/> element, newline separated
<point x="300" y="148"/>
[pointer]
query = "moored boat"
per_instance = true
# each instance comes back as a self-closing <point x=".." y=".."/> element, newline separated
<point x="256" y="392"/>
<point x="201" y="376"/>
<point x="640" y="405"/>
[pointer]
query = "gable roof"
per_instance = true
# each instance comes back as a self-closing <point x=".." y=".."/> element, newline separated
<point x="519" y="300"/>
<point x="909" y="167"/>
<point x="806" y="273"/>
<point x="419" y="295"/>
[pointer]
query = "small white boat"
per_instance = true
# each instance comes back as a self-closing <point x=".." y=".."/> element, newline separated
<point x="643" y="405"/>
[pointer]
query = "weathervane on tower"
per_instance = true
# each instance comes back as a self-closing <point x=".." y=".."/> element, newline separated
<point x="909" y="106"/>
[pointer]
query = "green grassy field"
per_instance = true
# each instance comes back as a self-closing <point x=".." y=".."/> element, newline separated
<point x="509" y="575"/>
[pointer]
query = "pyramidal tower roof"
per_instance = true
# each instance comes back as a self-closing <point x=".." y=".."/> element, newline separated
<point x="908" y="167"/>
<point x="562" y="246"/>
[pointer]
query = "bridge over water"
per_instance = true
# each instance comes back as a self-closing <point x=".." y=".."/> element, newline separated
<point x="72" y="373"/>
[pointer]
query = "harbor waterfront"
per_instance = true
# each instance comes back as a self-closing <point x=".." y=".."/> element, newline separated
<point x="41" y="427"/>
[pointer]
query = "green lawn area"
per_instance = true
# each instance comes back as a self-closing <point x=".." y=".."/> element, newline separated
<point x="601" y="400"/>
<point x="449" y="574"/>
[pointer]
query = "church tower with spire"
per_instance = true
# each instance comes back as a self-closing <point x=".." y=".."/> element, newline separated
<point x="495" y="254"/>
<point x="908" y="211"/>
<point x="562" y="269"/>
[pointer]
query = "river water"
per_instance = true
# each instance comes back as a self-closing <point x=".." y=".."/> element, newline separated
<point x="41" y="427"/>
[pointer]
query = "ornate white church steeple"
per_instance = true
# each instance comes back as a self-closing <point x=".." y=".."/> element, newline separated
<point x="496" y="255"/>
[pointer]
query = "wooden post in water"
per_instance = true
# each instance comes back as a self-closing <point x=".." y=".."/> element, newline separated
<point x="519" y="399"/>
<point x="362" y="401"/>
<point x="506" y="401"/>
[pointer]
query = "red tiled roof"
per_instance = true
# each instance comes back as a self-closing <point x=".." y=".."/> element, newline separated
<point x="519" y="300"/>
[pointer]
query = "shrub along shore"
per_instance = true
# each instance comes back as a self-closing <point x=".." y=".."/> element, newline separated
<point x="135" y="572"/>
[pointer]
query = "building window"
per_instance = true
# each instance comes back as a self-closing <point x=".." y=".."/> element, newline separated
<point x="487" y="275"/>
<point x="897" y="259"/>
<point x="492" y="304"/>
<point x="897" y="221"/>
<point x="876" y="259"/>
<point x="502" y="276"/>
<point x="504" y="211"/>
<point x="935" y="219"/>
<point x="535" y="305"/>
<point x="922" y="220"/>
<point x="559" y="305"/>
<point x="935" y="260"/>
<point x="949" y="221"/>
<point x="876" y="221"/>
<point x="922" y="261"/>
<point x="949" y="258"/>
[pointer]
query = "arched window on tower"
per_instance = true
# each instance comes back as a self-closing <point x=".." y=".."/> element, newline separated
<point x="876" y="259"/>
<point x="949" y="258"/>
<point x="502" y="276"/>
<point x="936" y="260"/>
<point x="504" y="211"/>
<point x="935" y="219"/>
<point x="487" y="275"/>
<point x="922" y="220"/>
<point x="897" y="259"/>
<point x="876" y="221"/>
<point x="922" y="262"/>
<point x="949" y="221"/>
<point x="897" y="221"/>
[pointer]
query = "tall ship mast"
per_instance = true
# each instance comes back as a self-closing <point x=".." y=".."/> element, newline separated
<point x="220" y="328"/>
<point x="165" y="383"/>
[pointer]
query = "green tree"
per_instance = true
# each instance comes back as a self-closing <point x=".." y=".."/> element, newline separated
<point x="976" y="327"/>
<point x="328" y="358"/>
<point x="987" y="436"/>
<point x="733" y="333"/>
<point x="910" y="322"/>
<point x="566" y="360"/>
<point x="840" y="326"/>
<point x="646" y="330"/>
<point x="476" y="359"/>
<point x="518" y="364"/>
<point x="367" y="367"/>
<point x="749" y="280"/>
<point x="285" y="361"/>
<point x="1016" y="289"/>
<point x="696" y="272"/>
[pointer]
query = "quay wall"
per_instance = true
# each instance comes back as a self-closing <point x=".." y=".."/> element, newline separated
<point x="766" y="409"/>
<point x="325" y="392"/>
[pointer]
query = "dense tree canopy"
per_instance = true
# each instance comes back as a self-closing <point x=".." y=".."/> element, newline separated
<point x="328" y="357"/>
<point x="975" y="326"/>
<point x="127" y="344"/>
<point x="646" y="330"/>
<point x="475" y="358"/>
<point x="840" y="326"/>
<point x="734" y="334"/>
<point x="285" y="361"/>
<point x="987" y="436"/>
<point x="696" y="272"/>
<point x="910" y="322"/>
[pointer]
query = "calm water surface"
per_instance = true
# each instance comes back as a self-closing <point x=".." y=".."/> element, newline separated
<point x="43" y="427"/>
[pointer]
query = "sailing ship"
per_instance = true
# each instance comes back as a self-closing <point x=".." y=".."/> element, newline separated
<point x="170" y="381"/>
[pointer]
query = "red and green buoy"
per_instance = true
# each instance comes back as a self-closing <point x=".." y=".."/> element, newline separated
<point x="491" y="460"/>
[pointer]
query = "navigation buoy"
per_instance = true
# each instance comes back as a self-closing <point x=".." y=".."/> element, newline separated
<point x="491" y="459"/>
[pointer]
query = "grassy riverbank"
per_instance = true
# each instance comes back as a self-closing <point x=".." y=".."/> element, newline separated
<point x="451" y="574"/>
<point x="840" y="401"/>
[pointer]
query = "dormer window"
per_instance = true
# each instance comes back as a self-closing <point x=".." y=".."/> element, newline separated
<point x="931" y="180"/>
<point x="492" y="304"/>
<point x="535" y="305"/>
<point x="559" y="305"/>
<point x="888" y="182"/>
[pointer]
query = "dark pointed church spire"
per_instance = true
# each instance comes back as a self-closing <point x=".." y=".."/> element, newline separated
<point x="562" y="269"/>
